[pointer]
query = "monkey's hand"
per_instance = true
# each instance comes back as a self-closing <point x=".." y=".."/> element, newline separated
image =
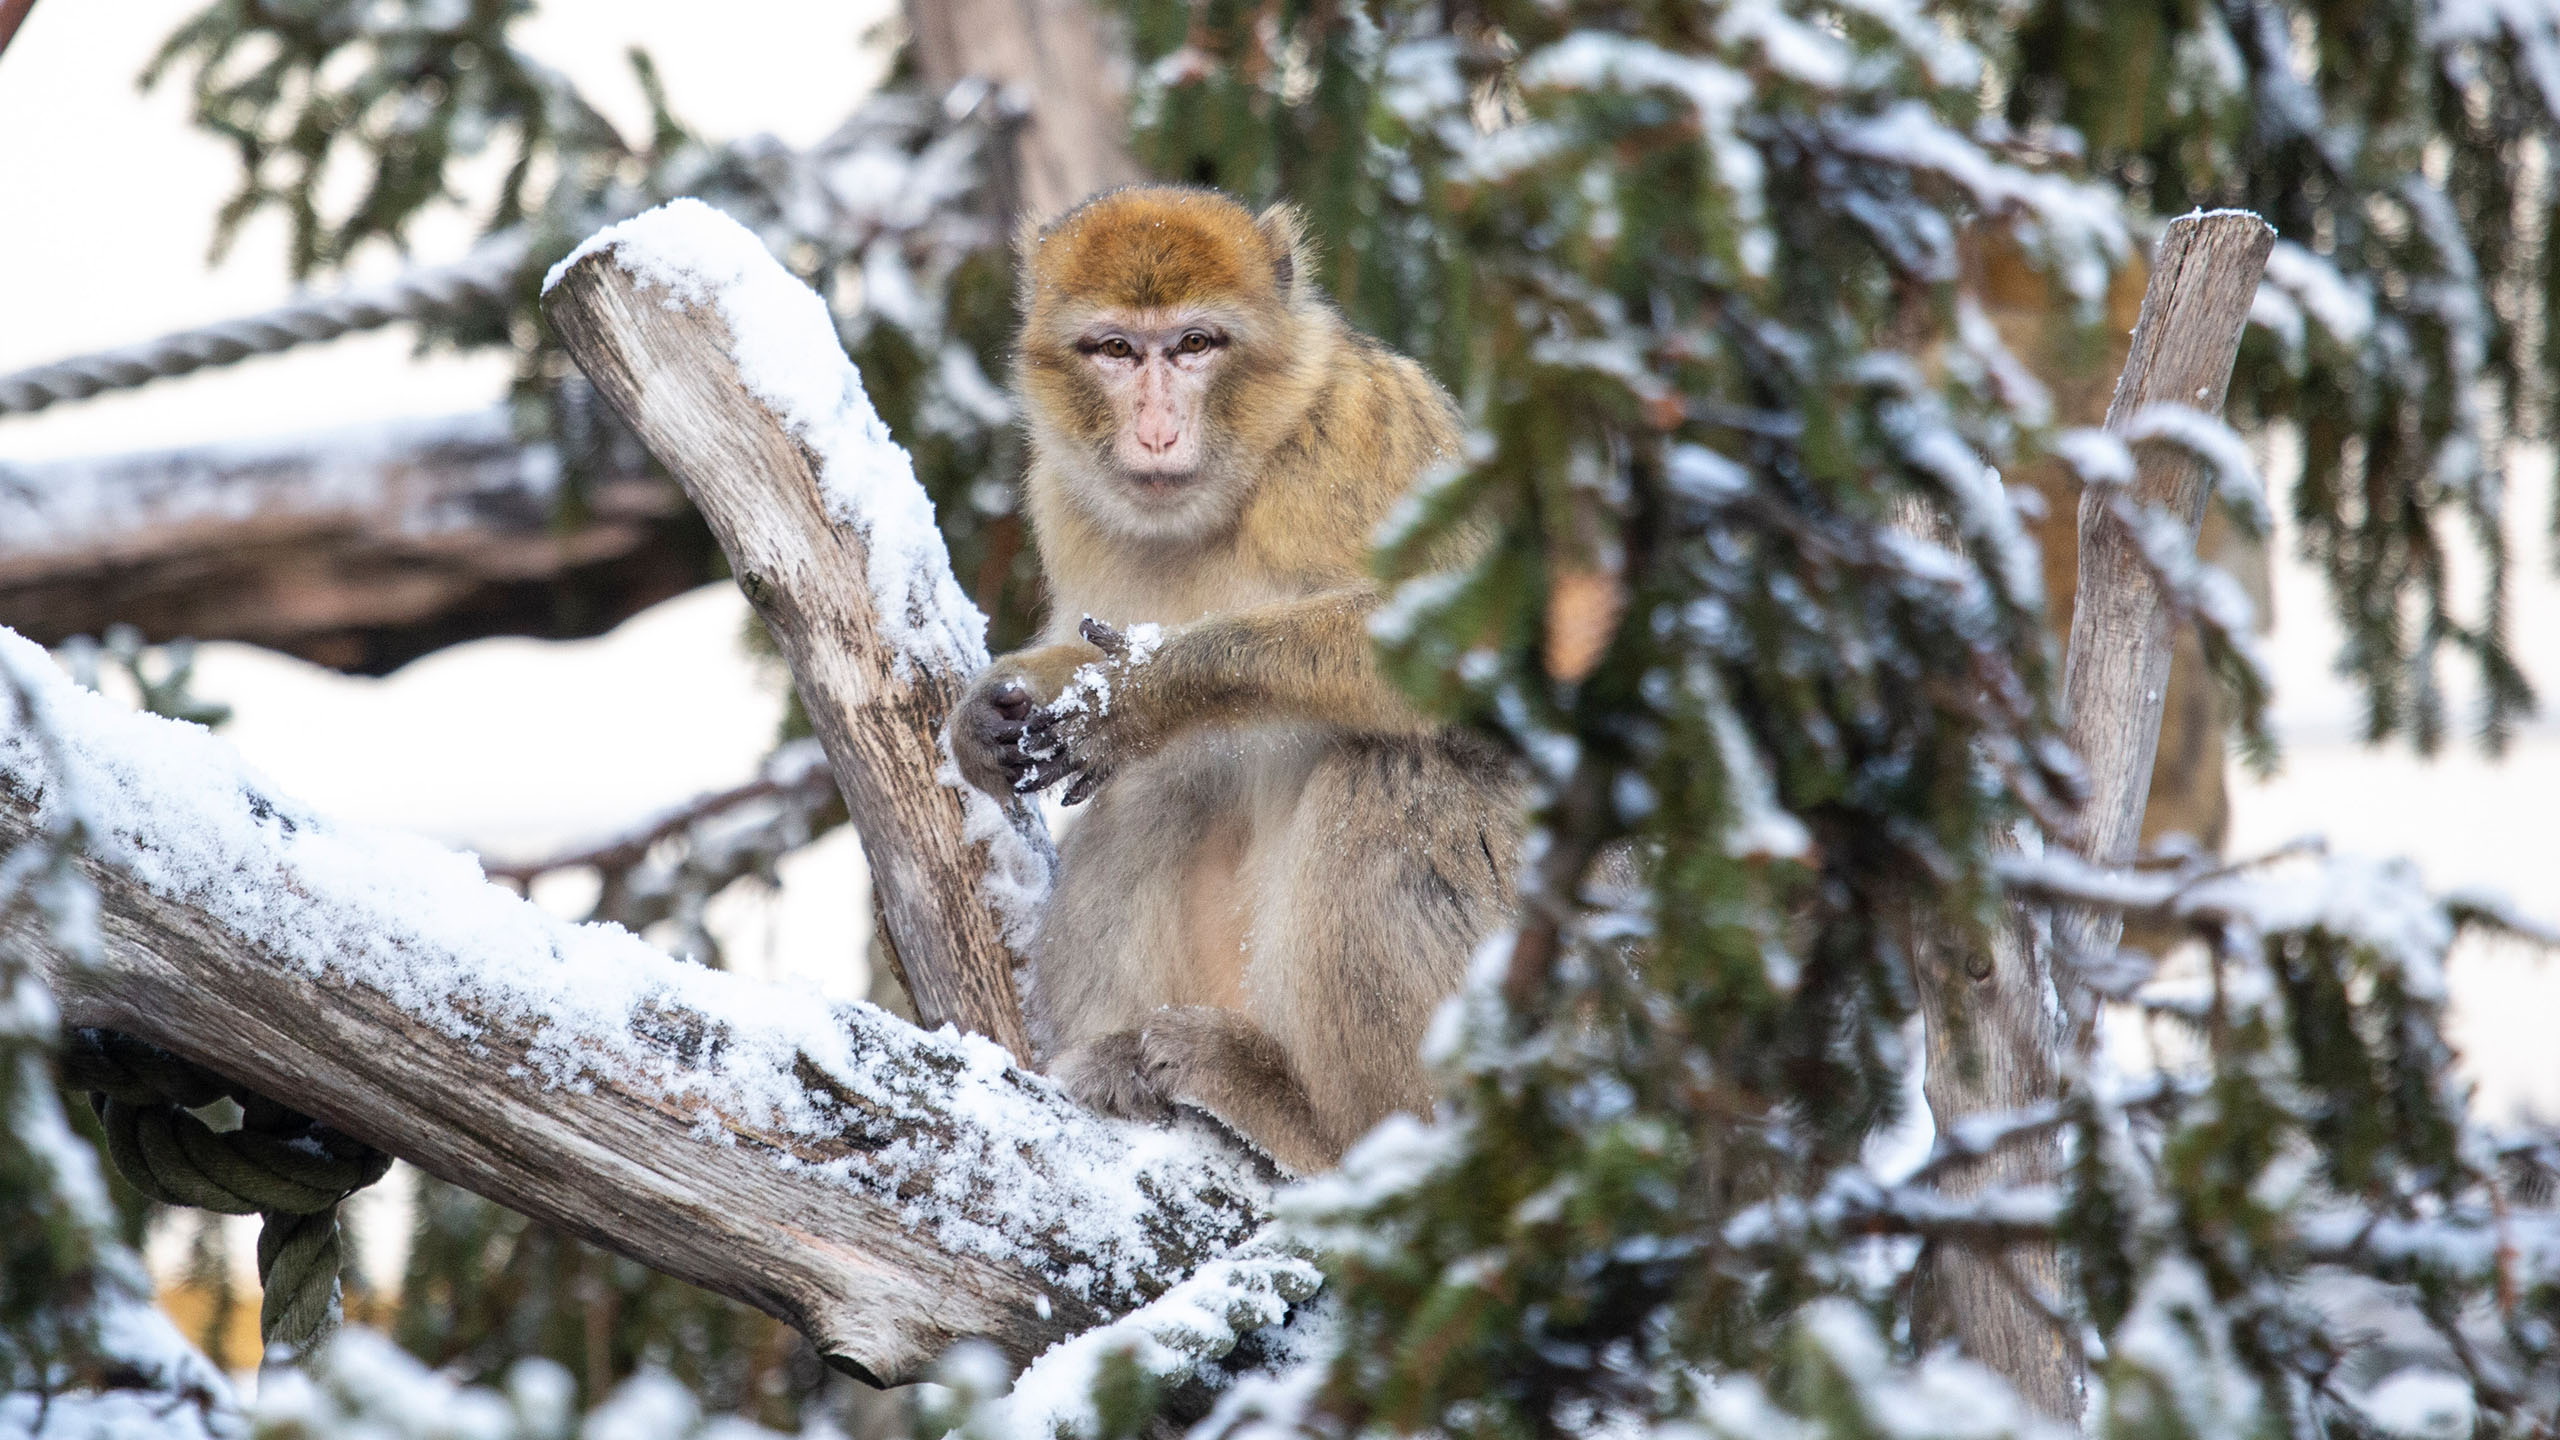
<point x="1097" y="720"/>
<point x="987" y="726"/>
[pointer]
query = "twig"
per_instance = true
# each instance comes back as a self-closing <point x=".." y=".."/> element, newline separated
<point x="13" y="13"/>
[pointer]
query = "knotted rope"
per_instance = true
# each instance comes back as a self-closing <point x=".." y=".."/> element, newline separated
<point x="287" y="1168"/>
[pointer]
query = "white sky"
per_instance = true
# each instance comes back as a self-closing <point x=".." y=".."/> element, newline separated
<point x="106" y="203"/>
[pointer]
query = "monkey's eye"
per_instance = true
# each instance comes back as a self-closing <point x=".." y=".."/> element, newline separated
<point x="1192" y="344"/>
<point x="1117" y="348"/>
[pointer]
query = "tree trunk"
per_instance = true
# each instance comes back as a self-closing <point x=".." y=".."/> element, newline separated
<point x="1996" y="1043"/>
<point x="1056" y="55"/>
<point x="668" y="367"/>
<point x="2005" y="1028"/>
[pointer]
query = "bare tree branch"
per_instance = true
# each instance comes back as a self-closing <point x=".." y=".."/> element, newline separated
<point x="358" y="549"/>
<point x="670" y="364"/>
<point x="669" y="868"/>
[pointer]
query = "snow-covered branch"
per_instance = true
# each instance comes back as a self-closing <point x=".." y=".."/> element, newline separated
<point x="360" y="548"/>
<point x="731" y="372"/>
<point x="885" y="1190"/>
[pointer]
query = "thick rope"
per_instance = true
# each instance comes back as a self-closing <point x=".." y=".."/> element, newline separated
<point x="289" y="1169"/>
<point x="484" y="277"/>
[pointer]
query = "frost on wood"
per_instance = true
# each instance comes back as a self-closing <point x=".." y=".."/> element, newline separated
<point x="787" y="354"/>
<point x="939" y="1138"/>
<point x="359" y="547"/>
<point x="56" y="505"/>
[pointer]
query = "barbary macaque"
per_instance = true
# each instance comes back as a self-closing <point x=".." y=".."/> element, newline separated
<point x="1284" y="867"/>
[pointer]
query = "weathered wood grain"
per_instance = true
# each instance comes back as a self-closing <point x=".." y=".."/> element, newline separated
<point x="667" y="368"/>
<point x="2116" y="677"/>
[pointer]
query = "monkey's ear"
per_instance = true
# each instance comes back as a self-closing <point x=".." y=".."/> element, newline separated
<point x="1028" y="232"/>
<point x="1285" y="229"/>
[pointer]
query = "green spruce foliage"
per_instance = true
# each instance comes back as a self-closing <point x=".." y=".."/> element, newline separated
<point x="2396" y="148"/>
<point x="1694" y="271"/>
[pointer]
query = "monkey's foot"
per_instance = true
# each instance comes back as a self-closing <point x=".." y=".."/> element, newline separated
<point x="1108" y="1076"/>
<point x="1219" y="1062"/>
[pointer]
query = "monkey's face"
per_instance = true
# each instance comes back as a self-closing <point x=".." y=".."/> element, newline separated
<point x="1155" y="371"/>
<point x="1154" y="321"/>
<point x="1155" y="456"/>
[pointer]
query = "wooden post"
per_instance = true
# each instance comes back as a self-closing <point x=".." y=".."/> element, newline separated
<point x="666" y="365"/>
<point x="2116" y="678"/>
<point x="2004" y="1027"/>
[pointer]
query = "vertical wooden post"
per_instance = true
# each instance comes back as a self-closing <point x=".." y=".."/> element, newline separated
<point x="2004" y="1026"/>
<point x="2116" y="677"/>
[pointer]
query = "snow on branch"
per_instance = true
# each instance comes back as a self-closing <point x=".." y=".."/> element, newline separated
<point x="1170" y="1339"/>
<point x="730" y="370"/>
<point x="359" y="547"/>
<point x="885" y="1190"/>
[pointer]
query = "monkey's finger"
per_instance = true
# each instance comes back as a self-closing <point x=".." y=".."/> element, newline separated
<point x="1085" y="785"/>
<point x="1102" y="637"/>
<point x="1011" y="699"/>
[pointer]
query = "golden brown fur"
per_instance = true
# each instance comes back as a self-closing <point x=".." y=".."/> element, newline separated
<point x="1288" y="867"/>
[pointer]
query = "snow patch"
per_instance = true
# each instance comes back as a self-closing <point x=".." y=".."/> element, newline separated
<point x="1198" y="1320"/>
<point x="785" y="346"/>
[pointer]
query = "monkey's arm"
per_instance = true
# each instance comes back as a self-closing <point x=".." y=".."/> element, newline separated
<point x="1084" y="708"/>
<point x="1308" y="659"/>
<point x="1300" y="660"/>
